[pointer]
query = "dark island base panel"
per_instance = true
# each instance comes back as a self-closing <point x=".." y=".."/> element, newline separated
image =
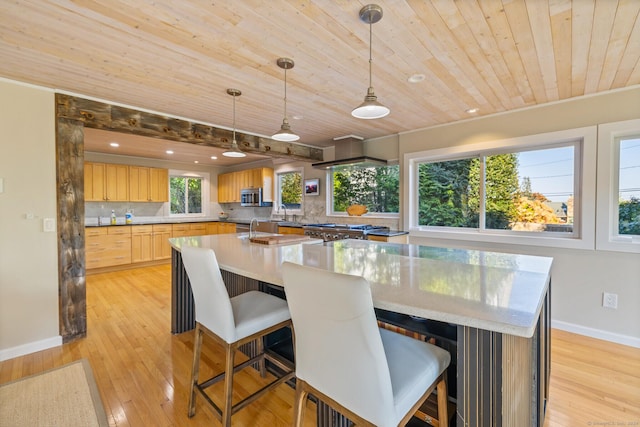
<point x="487" y="368"/>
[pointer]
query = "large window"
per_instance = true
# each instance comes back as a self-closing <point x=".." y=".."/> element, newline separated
<point x="531" y="188"/>
<point x="376" y="187"/>
<point x="629" y="185"/>
<point x="619" y="186"/>
<point x="289" y="190"/>
<point x="188" y="193"/>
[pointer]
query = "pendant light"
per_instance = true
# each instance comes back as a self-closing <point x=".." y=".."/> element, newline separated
<point x="370" y="108"/>
<point x="235" y="150"/>
<point x="285" y="133"/>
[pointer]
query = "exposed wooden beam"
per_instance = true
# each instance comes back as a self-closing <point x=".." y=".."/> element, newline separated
<point x="116" y="118"/>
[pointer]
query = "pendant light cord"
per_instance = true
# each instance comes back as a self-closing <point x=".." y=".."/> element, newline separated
<point x="370" y="55"/>
<point x="285" y="93"/>
<point x="234" y="118"/>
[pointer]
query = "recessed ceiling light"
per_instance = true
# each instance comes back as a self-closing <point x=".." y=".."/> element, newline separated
<point x="416" y="78"/>
<point x="195" y="161"/>
<point x="114" y="144"/>
<point x="169" y="151"/>
<point x="214" y="158"/>
<point x="472" y="110"/>
<point x="297" y="117"/>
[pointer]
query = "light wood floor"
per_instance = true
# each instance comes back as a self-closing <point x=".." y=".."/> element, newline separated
<point x="142" y="370"/>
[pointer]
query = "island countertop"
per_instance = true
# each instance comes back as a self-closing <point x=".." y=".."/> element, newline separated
<point x="493" y="291"/>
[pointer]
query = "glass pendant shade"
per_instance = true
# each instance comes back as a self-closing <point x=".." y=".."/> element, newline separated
<point x="285" y="133"/>
<point x="370" y="108"/>
<point x="234" y="151"/>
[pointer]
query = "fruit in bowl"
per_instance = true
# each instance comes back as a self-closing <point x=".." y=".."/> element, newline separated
<point x="223" y="215"/>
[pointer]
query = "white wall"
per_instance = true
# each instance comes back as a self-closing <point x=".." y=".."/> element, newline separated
<point x="28" y="256"/>
<point x="579" y="276"/>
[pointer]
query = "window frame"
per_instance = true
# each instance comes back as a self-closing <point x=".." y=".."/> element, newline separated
<point x="329" y="198"/>
<point x="583" y="236"/>
<point x="607" y="237"/>
<point x="205" y="195"/>
<point x="278" y="194"/>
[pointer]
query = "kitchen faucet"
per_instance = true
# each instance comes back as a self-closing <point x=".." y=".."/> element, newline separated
<point x="285" y="211"/>
<point x="251" y="232"/>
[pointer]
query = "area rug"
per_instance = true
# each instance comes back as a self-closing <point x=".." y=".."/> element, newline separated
<point x="63" y="396"/>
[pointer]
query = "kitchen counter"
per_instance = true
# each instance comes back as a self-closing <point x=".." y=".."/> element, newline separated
<point x="492" y="291"/>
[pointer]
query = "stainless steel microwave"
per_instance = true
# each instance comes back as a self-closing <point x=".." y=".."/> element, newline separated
<point x="252" y="197"/>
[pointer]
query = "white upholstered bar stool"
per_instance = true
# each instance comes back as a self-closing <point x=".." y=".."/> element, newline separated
<point x="372" y="376"/>
<point x="231" y="322"/>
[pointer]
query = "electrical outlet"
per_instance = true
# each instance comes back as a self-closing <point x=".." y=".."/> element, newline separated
<point x="609" y="300"/>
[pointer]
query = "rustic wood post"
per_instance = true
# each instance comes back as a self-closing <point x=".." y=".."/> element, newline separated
<point x="70" y="198"/>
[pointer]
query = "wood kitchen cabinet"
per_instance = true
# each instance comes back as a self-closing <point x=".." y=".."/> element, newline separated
<point x="189" y="229"/>
<point x="161" y="234"/>
<point x="148" y="184"/>
<point x="141" y="243"/>
<point x="107" y="246"/>
<point x="226" y="189"/>
<point x="226" y="227"/>
<point x="230" y="184"/>
<point x="106" y="182"/>
<point x="402" y="238"/>
<point x="290" y="230"/>
<point x="211" y="228"/>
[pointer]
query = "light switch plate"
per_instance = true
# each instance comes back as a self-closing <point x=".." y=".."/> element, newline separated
<point x="1" y="185"/>
<point x="48" y="225"/>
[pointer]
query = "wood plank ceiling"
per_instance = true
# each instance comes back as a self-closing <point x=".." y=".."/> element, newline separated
<point x="178" y="57"/>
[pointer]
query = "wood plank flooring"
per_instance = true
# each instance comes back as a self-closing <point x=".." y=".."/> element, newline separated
<point x="142" y="370"/>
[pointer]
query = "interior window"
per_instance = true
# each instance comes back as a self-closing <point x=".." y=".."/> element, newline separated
<point x="376" y="187"/>
<point x="187" y="193"/>
<point x="289" y="190"/>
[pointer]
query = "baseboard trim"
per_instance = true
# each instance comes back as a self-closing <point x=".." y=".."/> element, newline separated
<point x="29" y="348"/>
<point x="596" y="333"/>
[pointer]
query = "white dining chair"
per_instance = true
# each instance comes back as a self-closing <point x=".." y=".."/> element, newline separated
<point x="230" y="322"/>
<point x="372" y="376"/>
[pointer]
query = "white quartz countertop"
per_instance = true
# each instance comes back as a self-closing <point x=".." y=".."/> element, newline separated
<point x="487" y="290"/>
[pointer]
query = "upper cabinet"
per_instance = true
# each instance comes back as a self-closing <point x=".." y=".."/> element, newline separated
<point x="123" y="183"/>
<point x="106" y="182"/>
<point x="148" y="184"/>
<point x="230" y="184"/>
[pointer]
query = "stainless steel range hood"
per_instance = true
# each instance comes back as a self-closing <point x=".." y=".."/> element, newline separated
<point x="349" y="150"/>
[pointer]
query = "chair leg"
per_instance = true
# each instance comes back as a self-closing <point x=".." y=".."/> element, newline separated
<point x="227" y="409"/>
<point x="300" y="403"/>
<point x="195" y="370"/>
<point x="443" y="411"/>
<point x="261" y="364"/>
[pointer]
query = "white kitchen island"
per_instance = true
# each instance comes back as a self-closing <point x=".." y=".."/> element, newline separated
<point x="499" y="304"/>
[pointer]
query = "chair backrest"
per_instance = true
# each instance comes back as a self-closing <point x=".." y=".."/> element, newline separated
<point x="338" y="348"/>
<point x="213" y="307"/>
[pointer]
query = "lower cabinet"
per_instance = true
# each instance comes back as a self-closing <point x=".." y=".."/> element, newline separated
<point x="161" y="233"/>
<point x="226" y="227"/>
<point x="402" y="238"/>
<point x="112" y="246"/>
<point x="141" y="243"/>
<point x="290" y="230"/>
<point x="188" y="229"/>
<point x="108" y="246"/>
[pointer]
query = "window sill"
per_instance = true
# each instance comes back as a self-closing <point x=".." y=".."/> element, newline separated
<point x="513" y="238"/>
